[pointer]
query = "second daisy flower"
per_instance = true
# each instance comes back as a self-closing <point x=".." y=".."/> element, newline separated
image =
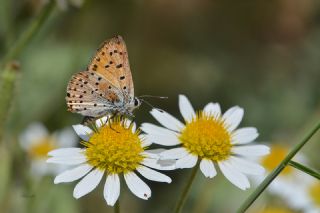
<point x="211" y="138"/>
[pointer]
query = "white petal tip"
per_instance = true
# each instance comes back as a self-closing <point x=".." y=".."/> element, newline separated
<point x="76" y="196"/>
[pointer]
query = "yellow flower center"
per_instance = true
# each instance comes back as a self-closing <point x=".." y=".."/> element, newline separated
<point x="114" y="148"/>
<point x="207" y="137"/>
<point x="271" y="161"/>
<point x="41" y="148"/>
<point x="276" y="210"/>
<point x="314" y="192"/>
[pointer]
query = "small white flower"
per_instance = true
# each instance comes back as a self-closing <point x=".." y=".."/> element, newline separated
<point x="290" y="185"/>
<point x="64" y="4"/>
<point x="37" y="142"/>
<point x="313" y="196"/>
<point x="208" y="137"/>
<point x="114" y="149"/>
<point x="299" y="190"/>
<point x="303" y="194"/>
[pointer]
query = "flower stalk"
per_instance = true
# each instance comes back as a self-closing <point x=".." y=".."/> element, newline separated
<point x="7" y="85"/>
<point x="277" y="171"/>
<point x="8" y="68"/>
<point x="186" y="189"/>
<point x="28" y="34"/>
<point x="117" y="207"/>
<point x="305" y="169"/>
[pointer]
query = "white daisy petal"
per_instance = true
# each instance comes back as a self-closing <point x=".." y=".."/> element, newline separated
<point x="145" y="141"/>
<point x="213" y="109"/>
<point x="149" y="154"/>
<point x="244" y="135"/>
<point x="167" y="120"/>
<point x="137" y="186"/>
<point x="175" y="153"/>
<point x="154" y="130"/>
<point x="233" y="117"/>
<point x="153" y="175"/>
<point x="207" y="168"/>
<point x="88" y="183"/>
<point x="111" y="190"/>
<point x="128" y="122"/>
<point x="252" y="150"/>
<point x="246" y="166"/>
<point x="67" y="160"/>
<point x="234" y="176"/>
<point x="83" y="131"/>
<point x="73" y="174"/>
<point x="101" y="121"/>
<point x="186" y="108"/>
<point x="165" y="140"/>
<point x="157" y="130"/>
<point x="159" y="164"/>
<point x="156" y="151"/>
<point x="32" y="135"/>
<point x="65" y="152"/>
<point x="187" y="161"/>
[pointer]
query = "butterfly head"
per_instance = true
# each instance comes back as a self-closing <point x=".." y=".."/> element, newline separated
<point x="134" y="104"/>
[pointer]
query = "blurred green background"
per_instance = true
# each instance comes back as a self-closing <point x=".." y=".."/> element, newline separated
<point x="261" y="55"/>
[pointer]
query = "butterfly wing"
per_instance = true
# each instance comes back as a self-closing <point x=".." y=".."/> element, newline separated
<point x="90" y="94"/>
<point x="112" y="62"/>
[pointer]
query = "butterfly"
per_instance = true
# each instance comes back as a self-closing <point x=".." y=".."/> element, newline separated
<point x="106" y="87"/>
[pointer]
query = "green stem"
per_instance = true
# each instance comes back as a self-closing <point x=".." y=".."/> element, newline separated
<point x="8" y="68"/>
<point x="7" y="84"/>
<point x="304" y="169"/>
<point x="117" y="207"/>
<point x="186" y="189"/>
<point x="276" y="171"/>
<point x="28" y="34"/>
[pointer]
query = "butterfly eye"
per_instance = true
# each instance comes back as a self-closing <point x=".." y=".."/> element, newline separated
<point x="136" y="102"/>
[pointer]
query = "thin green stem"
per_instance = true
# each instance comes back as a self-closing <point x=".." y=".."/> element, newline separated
<point x="186" y="189"/>
<point x="8" y="68"/>
<point x="117" y="207"/>
<point x="28" y="34"/>
<point x="7" y="85"/>
<point x="304" y="169"/>
<point x="276" y="171"/>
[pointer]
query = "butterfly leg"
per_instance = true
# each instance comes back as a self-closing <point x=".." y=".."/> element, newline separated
<point x="88" y="120"/>
<point x="110" y="119"/>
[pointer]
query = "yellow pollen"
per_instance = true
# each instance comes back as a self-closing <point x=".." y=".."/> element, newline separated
<point x="41" y="148"/>
<point x="276" y="210"/>
<point x="314" y="192"/>
<point x="207" y="137"/>
<point x="114" y="148"/>
<point x="271" y="161"/>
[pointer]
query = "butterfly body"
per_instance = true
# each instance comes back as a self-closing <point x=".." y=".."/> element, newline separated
<point x="106" y="87"/>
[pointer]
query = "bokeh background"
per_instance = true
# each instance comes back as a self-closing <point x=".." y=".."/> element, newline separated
<point x="261" y="55"/>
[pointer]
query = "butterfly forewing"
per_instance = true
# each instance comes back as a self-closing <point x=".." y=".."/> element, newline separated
<point x="111" y="61"/>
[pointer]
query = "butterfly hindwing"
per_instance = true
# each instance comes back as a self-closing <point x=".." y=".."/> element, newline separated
<point x="87" y="92"/>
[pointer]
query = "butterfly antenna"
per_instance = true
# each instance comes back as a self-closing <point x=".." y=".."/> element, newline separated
<point x="146" y="102"/>
<point x="150" y="105"/>
<point x="153" y="96"/>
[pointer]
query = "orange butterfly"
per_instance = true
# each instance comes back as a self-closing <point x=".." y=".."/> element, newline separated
<point x="106" y="87"/>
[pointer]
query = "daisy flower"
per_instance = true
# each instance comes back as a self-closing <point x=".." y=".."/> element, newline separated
<point x="290" y="184"/>
<point x="313" y="196"/>
<point x="65" y="4"/>
<point x="304" y="195"/>
<point x="114" y="149"/>
<point x="36" y="141"/>
<point x="210" y="138"/>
